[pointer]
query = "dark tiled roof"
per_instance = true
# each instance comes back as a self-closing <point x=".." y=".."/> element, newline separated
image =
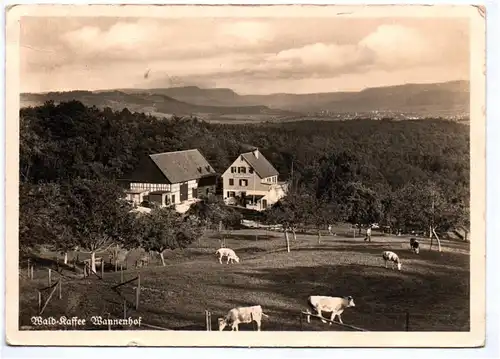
<point x="182" y="166"/>
<point x="261" y="165"/>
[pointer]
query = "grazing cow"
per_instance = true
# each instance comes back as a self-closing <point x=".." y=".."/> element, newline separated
<point x="414" y="245"/>
<point x="229" y="253"/>
<point x="335" y="305"/>
<point x="242" y="315"/>
<point x="392" y="257"/>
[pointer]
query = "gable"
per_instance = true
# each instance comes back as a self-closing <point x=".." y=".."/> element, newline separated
<point x="262" y="167"/>
<point x="236" y="163"/>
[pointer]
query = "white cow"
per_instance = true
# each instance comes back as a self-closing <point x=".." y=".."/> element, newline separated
<point x="392" y="257"/>
<point x="229" y="253"/>
<point x="335" y="305"/>
<point x="242" y="315"/>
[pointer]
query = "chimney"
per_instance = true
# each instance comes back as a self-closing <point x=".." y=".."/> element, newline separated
<point x="256" y="153"/>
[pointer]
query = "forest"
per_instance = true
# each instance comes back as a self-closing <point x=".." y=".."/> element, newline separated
<point x="404" y="174"/>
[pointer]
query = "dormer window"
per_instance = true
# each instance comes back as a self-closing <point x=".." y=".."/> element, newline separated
<point x="250" y="170"/>
<point x="208" y="168"/>
<point x="199" y="169"/>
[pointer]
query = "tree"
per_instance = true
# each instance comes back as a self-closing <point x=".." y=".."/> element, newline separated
<point x="426" y="205"/>
<point x="318" y="212"/>
<point x="289" y="212"/>
<point x="42" y="219"/>
<point x="164" y="228"/>
<point x="210" y="212"/>
<point x="364" y="205"/>
<point x="98" y="215"/>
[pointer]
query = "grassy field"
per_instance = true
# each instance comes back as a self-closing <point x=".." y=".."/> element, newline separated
<point x="432" y="287"/>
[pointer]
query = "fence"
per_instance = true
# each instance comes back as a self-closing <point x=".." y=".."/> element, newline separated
<point x="309" y="314"/>
<point x="53" y="287"/>
<point x="397" y="321"/>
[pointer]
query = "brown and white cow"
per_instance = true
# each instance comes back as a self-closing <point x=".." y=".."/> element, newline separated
<point x="335" y="305"/>
<point x="242" y="315"/>
<point x="414" y="245"/>
<point x="391" y="257"/>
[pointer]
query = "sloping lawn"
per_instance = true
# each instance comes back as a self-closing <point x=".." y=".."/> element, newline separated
<point x="433" y="287"/>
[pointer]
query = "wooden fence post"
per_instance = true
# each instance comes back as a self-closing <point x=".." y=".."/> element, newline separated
<point x="109" y="323"/>
<point x="208" y="320"/>
<point x="102" y="268"/>
<point x="138" y="291"/>
<point x="60" y="288"/>
<point x="121" y="275"/>
<point x="48" y="299"/>
<point x="301" y="322"/>
<point x="407" y="321"/>
<point x="39" y="301"/>
<point x="29" y="268"/>
<point x="50" y="277"/>
<point x="32" y="271"/>
<point x="124" y="309"/>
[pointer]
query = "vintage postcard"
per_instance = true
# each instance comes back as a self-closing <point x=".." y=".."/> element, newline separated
<point x="245" y="176"/>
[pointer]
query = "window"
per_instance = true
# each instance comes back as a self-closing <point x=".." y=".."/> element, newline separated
<point x="243" y="182"/>
<point x="231" y="182"/>
<point x="231" y="194"/>
<point x="243" y="170"/>
<point x="250" y="170"/>
<point x="233" y="169"/>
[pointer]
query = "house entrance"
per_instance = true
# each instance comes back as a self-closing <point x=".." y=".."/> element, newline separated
<point x="184" y="192"/>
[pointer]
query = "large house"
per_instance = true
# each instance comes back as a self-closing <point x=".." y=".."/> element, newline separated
<point x="171" y="178"/>
<point x="252" y="181"/>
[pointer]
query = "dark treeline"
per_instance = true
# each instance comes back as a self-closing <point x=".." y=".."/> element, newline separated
<point x="397" y="164"/>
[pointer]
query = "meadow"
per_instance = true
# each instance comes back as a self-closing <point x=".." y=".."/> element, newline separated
<point x="431" y="291"/>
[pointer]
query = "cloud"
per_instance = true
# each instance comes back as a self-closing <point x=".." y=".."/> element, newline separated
<point x="247" y="53"/>
<point x="388" y="47"/>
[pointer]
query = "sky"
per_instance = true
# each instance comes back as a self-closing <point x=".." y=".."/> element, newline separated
<point x="248" y="55"/>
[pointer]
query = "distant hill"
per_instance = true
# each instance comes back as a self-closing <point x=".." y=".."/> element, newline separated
<point x="197" y="96"/>
<point x="438" y="99"/>
<point x="148" y="102"/>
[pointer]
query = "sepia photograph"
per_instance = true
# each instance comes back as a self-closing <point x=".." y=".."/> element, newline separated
<point x="178" y="172"/>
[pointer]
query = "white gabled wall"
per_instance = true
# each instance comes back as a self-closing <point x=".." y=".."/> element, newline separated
<point x="254" y="180"/>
